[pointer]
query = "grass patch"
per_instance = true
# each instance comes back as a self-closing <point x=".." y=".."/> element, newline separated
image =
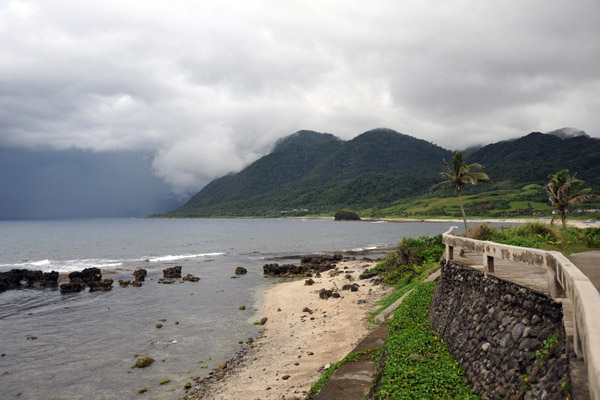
<point x="416" y="363"/>
<point x="352" y="357"/>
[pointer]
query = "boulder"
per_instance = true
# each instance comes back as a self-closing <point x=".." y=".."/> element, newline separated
<point x="86" y="276"/>
<point x="325" y="294"/>
<point x="240" y="271"/>
<point x="172" y="272"/>
<point x="72" y="287"/>
<point x="140" y="274"/>
<point x="101" y="286"/>
<point x="308" y="282"/>
<point x="354" y="287"/>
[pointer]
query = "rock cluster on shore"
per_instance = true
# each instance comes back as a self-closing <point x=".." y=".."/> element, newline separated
<point x="91" y="277"/>
<point x="308" y="264"/>
<point x="17" y="278"/>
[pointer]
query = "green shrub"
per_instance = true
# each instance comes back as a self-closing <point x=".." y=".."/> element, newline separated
<point x="592" y="237"/>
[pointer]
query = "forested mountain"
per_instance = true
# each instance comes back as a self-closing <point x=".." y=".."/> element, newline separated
<point x="531" y="158"/>
<point x="319" y="172"/>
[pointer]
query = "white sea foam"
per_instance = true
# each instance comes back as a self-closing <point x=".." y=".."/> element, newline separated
<point x="183" y="257"/>
<point x="64" y="266"/>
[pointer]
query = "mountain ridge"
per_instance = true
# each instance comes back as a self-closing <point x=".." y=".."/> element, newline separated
<point x="321" y="173"/>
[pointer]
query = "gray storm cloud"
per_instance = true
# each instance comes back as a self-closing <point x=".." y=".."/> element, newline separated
<point x="208" y="87"/>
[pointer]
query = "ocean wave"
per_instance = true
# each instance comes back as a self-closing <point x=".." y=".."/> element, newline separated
<point x="182" y="257"/>
<point x="63" y="266"/>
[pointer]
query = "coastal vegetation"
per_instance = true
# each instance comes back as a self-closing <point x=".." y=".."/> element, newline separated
<point x="564" y="190"/>
<point x="460" y="175"/>
<point x="540" y="236"/>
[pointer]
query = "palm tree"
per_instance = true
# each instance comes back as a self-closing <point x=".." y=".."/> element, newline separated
<point x="564" y="190"/>
<point x="459" y="175"/>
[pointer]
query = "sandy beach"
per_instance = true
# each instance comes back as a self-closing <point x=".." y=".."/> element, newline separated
<point x="576" y="223"/>
<point x="302" y="334"/>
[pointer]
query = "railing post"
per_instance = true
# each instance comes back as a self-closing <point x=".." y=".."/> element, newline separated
<point x="554" y="287"/>
<point x="449" y="252"/>
<point x="488" y="263"/>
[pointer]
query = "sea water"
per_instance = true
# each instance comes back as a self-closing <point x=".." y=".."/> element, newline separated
<point x="83" y="345"/>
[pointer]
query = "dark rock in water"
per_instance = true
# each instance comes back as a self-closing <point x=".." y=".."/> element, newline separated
<point x="124" y="283"/>
<point x="86" y="276"/>
<point x="191" y="278"/>
<point x="286" y="269"/>
<point x="321" y="259"/>
<point x="136" y="283"/>
<point x="346" y="215"/>
<point x="308" y="282"/>
<point x="12" y="279"/>
<point x="240" y="270"/>
<point x="172" y="272"/>
<point x="140" y="274"/>
<point x="166" y="281"/>
<point x="354" y="287"/>
<point x="101" y="286"/>
<point x="325" y="294"/>
<point x="72" y="287"/>
<point x="143" y="362"/>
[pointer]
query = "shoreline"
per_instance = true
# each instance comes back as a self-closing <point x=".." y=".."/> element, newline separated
<point x="303" y="334"/>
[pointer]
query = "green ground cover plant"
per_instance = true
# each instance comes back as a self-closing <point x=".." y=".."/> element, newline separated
<point x="416" y="363"/>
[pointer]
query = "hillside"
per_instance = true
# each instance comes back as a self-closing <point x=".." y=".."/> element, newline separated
<point x="321" y="173"/>
<point x="531" y="158"/>
<point x="312" y="173"/>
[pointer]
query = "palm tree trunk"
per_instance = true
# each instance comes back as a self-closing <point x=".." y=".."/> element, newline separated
<point x="563" y="218"/>
<point x="463" y="211"/>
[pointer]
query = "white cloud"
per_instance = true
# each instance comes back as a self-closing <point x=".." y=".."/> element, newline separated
<point x="209" y="86"/>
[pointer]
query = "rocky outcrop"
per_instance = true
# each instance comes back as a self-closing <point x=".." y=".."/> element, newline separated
<point x="494" y="328"/>
<point x="140" y="274"/>
<point x="103" y="285"/>
<point x="309" y="264"/>
<point x="86" y="276"/>
<point x="16" y="278"/>
<point x="172" y="272"/>
<point x="191" y="278"/>
<point x="72" y="287"/>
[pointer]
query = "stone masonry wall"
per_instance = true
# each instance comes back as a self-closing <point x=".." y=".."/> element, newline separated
<point x="493" y="328"/>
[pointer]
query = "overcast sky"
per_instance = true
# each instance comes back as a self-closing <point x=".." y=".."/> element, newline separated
<point x="206" y="87"/>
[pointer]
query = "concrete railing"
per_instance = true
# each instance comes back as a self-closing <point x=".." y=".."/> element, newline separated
<point x="564" y="280"/>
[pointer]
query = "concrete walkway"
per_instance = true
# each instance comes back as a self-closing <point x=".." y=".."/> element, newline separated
<point x="352" y="380"/>
<point x="589" y="263"/>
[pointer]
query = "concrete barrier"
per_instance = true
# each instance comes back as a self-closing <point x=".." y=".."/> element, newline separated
<point x="564" y="280"/>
